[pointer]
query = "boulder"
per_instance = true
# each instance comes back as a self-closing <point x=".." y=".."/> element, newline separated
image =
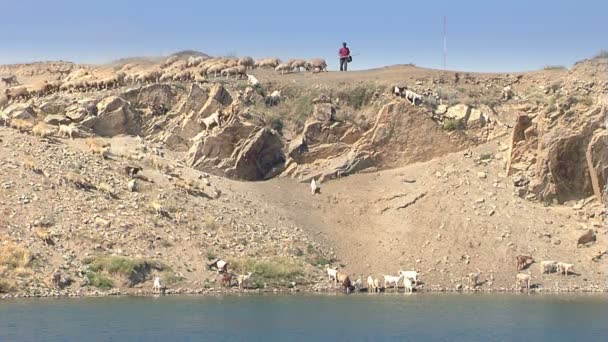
<point x="597" y="163"/>
<point x="324" y="112"/>
<point x="116" y="117"/>
<point x="150" y="95"/>
<point x="53" y="107"/>
<point x="57" y="120"/>
<point x="459" y="112"/>
<point x="21" y="111"/>
<point x="587" y="238"/>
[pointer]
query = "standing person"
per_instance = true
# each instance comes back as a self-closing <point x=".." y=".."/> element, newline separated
<point x="344" y="57"/>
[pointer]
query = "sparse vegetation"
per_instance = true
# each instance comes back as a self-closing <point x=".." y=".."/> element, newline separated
<point x="554" y="67"/>
<point x="99" y="280"/>
<point x="452" y="124"/>
<point x="275" y="271"/>
<point x="13" y="256"/>
<point x="5" y="286"/>
<point x="211" y="256"/>
<point x="134" y="270"/>
<point x="601" y="54"/>
<point x="210" y="223"/>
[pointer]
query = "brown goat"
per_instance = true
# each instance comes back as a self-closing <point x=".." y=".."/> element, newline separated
<point x="523" y="261"/>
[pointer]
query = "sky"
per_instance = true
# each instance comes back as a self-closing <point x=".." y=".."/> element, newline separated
<point x="514" y="35"/>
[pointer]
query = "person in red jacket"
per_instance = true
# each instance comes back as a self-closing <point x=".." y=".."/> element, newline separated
<point x="344" y="57"/>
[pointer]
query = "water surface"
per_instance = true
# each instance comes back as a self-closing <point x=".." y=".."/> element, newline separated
<point x="419" y="317"/>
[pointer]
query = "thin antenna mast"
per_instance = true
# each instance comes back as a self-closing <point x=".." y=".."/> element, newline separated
<point x="445" y="42"/>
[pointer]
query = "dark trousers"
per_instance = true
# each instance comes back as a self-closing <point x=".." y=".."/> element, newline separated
<point x="344" y="64"/>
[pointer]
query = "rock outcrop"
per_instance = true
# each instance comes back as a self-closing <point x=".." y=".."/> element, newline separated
<point x="116" y="116"/>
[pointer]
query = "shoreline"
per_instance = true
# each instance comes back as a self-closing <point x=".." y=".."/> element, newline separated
<point x="277" y="291"/>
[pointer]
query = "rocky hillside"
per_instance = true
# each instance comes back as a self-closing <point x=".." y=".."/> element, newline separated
<point x="486" y="163"/>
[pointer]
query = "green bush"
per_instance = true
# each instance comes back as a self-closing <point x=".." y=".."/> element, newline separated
<point x="5" y="287"/>
<point x="99" y="280"/>
<point x="453" y="124"/>
<point x="275" y="271"/>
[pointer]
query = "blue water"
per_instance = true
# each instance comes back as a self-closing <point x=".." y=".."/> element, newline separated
<point x="420" y="317"/>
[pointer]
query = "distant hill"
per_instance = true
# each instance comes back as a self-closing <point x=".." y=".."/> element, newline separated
<point x="188" y="53"/>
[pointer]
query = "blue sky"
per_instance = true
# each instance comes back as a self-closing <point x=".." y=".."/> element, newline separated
<point x="488" y="35"/>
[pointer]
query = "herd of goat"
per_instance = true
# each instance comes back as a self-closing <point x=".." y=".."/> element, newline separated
<point x="193" y="69"/>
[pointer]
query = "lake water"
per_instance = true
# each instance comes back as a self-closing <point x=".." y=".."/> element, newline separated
<point x="419" y="317"/>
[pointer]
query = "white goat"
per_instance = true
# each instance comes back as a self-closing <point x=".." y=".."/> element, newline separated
<point x="211" y="119"/>
<point x="68" y="130"/>
<point x="523" y="278"/>
<point x="563" y="268"/>
<point x="332" y="273"/>
<point x="407" y="285"/>
<point x="389" y="279"/>
<point x="412" y="275"/>
<point x="253" y="81"/>
<point x="371" y="286"/>
<point x="412" y="97"/>
<point x="157" y="287"/>
<point x="314" y="186"/>
<point x="547" y="266"/>
<point x="242" y="278"/>
<point x="358" y="284"/>
<point x="273" y="99"/>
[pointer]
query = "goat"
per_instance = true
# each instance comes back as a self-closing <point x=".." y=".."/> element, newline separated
<point x="157" y="287"/>
<point x="97" y="147"/>
<point x="586" y="238"/>
<point x="220" y="265"/>
<point x="46" y="236"/>
<point x="315" y="187"/>
<point x="523" y="261"/>
<point x="68" y="130"/>
<point x="273" y="99"/>
<point x="358" y="284"/>
<point x="412" y="97"/>
<point x="548" y="266"/>
<point x="159" y="209"/>
<point x="474" y="278"/>
<point x="131" y="171"/>
<point x="43" y="130"/>
<point x="523" y="278"/>
<point x="132" y="185"/>
<point x="227" y="279"/>
<point x="332" y="273"/>
<point x="371" y="285"/>
<point x="563" y="268"/>
<point x="78" y="180"/>
<point x="341" y="277"/>
<point x="346" y="283"/>
<point x="242" y="278"/>
<point x="412" y="275"/>
<point x="407" y="285"/>
<point x="389" y="279"/>
<point x="211" y="119"/>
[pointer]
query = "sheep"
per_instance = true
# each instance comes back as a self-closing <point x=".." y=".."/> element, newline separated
<point x="10" y="81"/>
<point x="371" y="286"/>
<point x="389" y="279"/>
<point x="46" y="236"/>
<point x="315" y="187"/>
<point x="522" y="278"/>
<point x="131" y="171"/>
<point x="43" y="130"/>
<point x="332" y="273"/>
<point x="474" y="278"/>
<point x="341" y="277"/>
<point x="547" y="266"/>
<point x="267" y="63"/>
<point x="21" y="125"/>
<point x="79" y="181"/>
<point x="377" y="284"/>
<point x="17" y="93"/>
<point x="237" y="71"/>
<point x="247" y="62"/>
<point x="296" y="64"/>
<point x="563" y="268"/>
<point x="215" y="69"/>
<point x="169" y="61"/>
<point x="253" y="81"/>
<point x="413" y="275"/>
<point x="30" y="164"/>
<point x="273" y="99"/>
<point x="283" y="67"/>
<point x="316" y="65"/>
<point x="157" y="287"/>
<point x="242" y="278"/>
<point x="132" y="185"/>
<point x="407" y="285"/>
<point x="68" y="130"/>
<point x="159" y="209"/>
<point x="107" y="189"/>
<point x="97" y="147"/>
<point x="523" y="261"/>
